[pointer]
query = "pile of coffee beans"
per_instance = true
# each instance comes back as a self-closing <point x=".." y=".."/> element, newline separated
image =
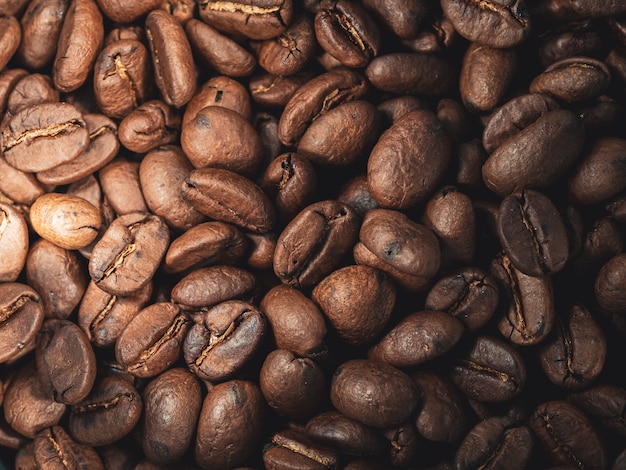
<point x="312" y="234"/>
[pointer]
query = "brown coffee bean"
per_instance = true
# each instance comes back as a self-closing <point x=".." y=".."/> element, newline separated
<point x="497" y="24"/>
<point x="29" y="91"/>
<point x="219" y="91"/>
<point x="151" y="342"/>
<point x="8" y="79"/>
<point x="27" y="408"/>
<point x="489" y="371"/>
<point x="206" y="287"/>
<point x="261" y="251"/>
<point x="129" y="253"/>
<point x="182" y="10"/>
<point x="80" y="41"/>
<point x="356" y="194"/>
<point x="12" y="7"/>
<point x="407" y="251"/>
<point x="358" y="301"/>
<point x="10" y="38"/>
<point x="436" y="36"/>
<point x="311" y="245"/>
<point x="14" y="243"/>
<point x="292" y="448"/>
<point x="59" y="275"/>
<point x="150" y="125"/>
<point x="229" y="197"/>
<point x="21" y="317"/>
<point x="171" y="58"/>
<point x="224" y="339"/>
<point x="297" y="323"/>
<point x="220" y="52"/>
<point x="609" y="290"/>
<point x="394" y="108"/>
<point x="176" y="393"/>
<point x="414" y="149"/>
<point x="289" y="52"/>
<point x="107" y="414"/>
<point x="55" y="448"/>
<point x="567" y="435"/>
<point x="275" y="90"/>
<point x="43" y="136"/>
<point x="418" y="338"/>
<point x="575" y="355"/>
<point x="121" y="186"/>
<point x="254" y="19"/>
<point x="292" y="386"/>
<point x="126" y="13"/>
<point x="230" y="425"/>
<point x="134" y="32"/>
<point x="373" y="393"/>
<point x="221" y="138"/>
<point x="122" y="77"/>
<point x="402" y="17"/>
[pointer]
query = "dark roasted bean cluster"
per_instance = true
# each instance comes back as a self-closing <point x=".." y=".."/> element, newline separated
<point x="312" y="234"/>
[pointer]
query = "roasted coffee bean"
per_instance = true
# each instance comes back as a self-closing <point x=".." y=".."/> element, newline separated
<point x="579" y="39"/>
<point x="229" y="197"/>
<point x="129" y="253"/>
<point x="373" y="393"/>
<point x="255" y="19"/>
<point x="151" y="342"/>
<point x="126" y="13"/>
<point x="575" y="355"/>
<point x="10" y="38"/>
<point x="498" y="24"/>
<point x="494" y="443"/>
<point x="224" y="339"/>
<point x="172" y="59"/>
<point x="567" y="435"/>
<point x="152" y="124"/>
<point x="275" y="90"/>
<point x="14" y="243"/>
<point x="311" y="244"/>
<point x="229" y="425"/>
<point x="356" y="194"/>
<point x="489" y="371"/>
<point x="405" y="444"/>
<point x="176" y="393"/>
<point x="293" y="449"/>
<point x="66" y="362"/>
<point x="219" y="91"/>
<point x="261" y="251"/>
<point x="394" y="108"/>
<point x="21" y="317"/>
<point x="80" y="41"/>
<point x="121" y="186"/>
<point x="290" y="51"/>
<point x="55" y="448"/>
<point x="182" y="10"/>
<point x="107" y="414"/>
<point x="292" y="386"/>
<point x="604" y="403"/>
<point x="469" y="294"/>
<point x="402" y="17"/>
<point x="608" y="285"/>
<point x="43" y="136"/>
<point x="30" y="90"/>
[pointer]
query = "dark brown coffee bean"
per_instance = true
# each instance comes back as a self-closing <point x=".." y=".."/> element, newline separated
<point x="436" y="36"/>
<point x="292" y="448"/>
<point x="414" y="149"/>
<point x="579" y="39"/>
<point x="573" y="79"/>
<point x="604" y="403"/>
<point x="134" y="32"/>
<point x="66" y="362"/>
<point x="568" y="436"/>
<point x="59" y="275"/>
<point x="407" y="251"/>
<point x="440" y="415"/>
<point x="290" y="51"/>
<point x="107" y="414"/>
<point x="43" y="136"/>
<point x="21" y="317"/>
<point x="126" y="13"/>
<point x="489" y="371"/>
<point x="13" y="243"/>
<point x="496" y="443"/>
<point x="356" y="194"/>
<point x="103" y="316"/>
<point x="122" y="77"/>
<point x="221" y="53"/>
<point x="292" y="386"/>
<point x="498" y="24"/>
<point x="80" y="41"/>
<point x="224" y="339"/>
<point x="402" y="17"/>
<point x="575" y="355"/>
<point x="29" y="91"/>
<point x="229" y="197"/>
<point x="417" y="338"/>
<point x="230" y="425"/>
<point x="8" y="79"/>
<point x="254" y="19"/>
<point x="129" y="253"/>
<point x="406" y="73"/>
<point x="528" y="300"/>
<point x="358" y="301"/>
<point x="150" y="125"/>
<point x="103" y="147"/>
<point x="394" y="108"/>
<point x="27" y="407"/>
<point x="121" y="186"/>
<point x="532" y="233"/>
<point x="12" y="7"/>
<point x="373" y="393"/>
<point x="312" y="244"/>
<point x="175" y="393"/>
<point x="171" y="58"/>
<point x="182" y="10"/>
<point x="469" y="294"/>
<point x="275" y="90"/>
<point x="206" y="287"/>
<point x="609" y="291"/>
<point x="151" y="342"/>
<point x="219" y="91"/>
<point x="54" y="448"/>
<point x="221" y="138"/>
<point x="10" y="38"/>
<point x="523" y="161"/>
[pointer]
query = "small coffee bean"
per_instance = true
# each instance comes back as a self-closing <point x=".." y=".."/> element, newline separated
<point x="152" y="124"/>
<point x="21" y="317"/>
<point x="121" y="186"/>
<point x="290" y="51"/>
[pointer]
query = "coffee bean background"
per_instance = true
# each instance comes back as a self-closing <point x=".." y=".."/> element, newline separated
<point x="314" y="234"/>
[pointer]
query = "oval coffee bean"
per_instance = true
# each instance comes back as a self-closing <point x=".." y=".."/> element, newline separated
<point x="604" y="403"/>
<point x="152" y="124"/>
<point x="609" y="283"/>
<point x="292" y="448"/>
<point x="55" y="448"/>
<point x="21" y="317"/>
<point x="10" y="38"/>
<point x="13" y="243"/>
<point x="289" y="52"/>
<point x="219" y="91"/>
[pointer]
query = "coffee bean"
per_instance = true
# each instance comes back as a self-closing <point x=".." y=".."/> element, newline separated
<point x="294" y="449"/>
<point x="152" y="124"/>
<point x="121" y="186"/>
<point x="13" y="243"/>
<point x="10" y="38"/>
<point x="21" y="317"/>
<point x="219" y="91"/>
<point x="54" y="447"/>
<point x="290" y="51"/>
